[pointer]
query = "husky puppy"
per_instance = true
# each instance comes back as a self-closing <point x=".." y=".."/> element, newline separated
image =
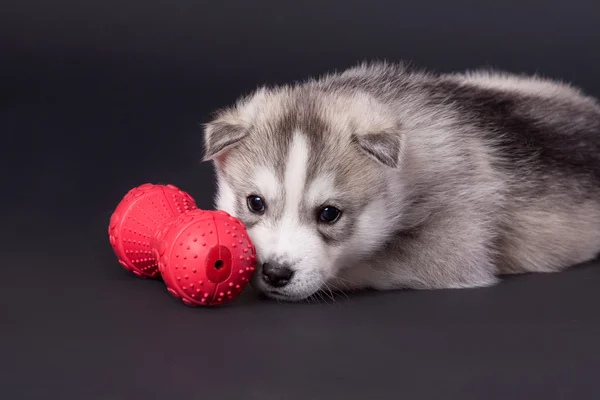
<point x="386" y="177"/>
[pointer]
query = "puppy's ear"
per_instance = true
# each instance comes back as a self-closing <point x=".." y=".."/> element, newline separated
<point x="385" y="147"/>
<point x="222" y="134"/>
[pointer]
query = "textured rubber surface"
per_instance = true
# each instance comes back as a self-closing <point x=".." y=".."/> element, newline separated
<point x="134" y="221"/>
<point x="204" y="257"/>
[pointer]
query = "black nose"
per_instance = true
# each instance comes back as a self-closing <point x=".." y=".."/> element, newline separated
<point x="277" y="275"/>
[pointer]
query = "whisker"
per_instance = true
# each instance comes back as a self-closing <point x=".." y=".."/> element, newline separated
<point x="320" y="293"/>
<point x="338" y="290"/>
<point x="330" y="295"/>
<point x="347" y="283"/>
<point x="345" y="280"/>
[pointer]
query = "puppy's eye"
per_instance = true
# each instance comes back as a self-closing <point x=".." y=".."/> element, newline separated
<point x="255" y="204"/>
<point x="329" y="214"/>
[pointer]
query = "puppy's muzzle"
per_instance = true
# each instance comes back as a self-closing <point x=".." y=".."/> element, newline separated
<point x="276" y="274"/>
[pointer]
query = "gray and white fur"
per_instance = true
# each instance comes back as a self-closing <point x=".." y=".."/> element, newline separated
<point x="441" y="180"/>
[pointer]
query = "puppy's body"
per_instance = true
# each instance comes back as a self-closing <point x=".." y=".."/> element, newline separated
<point x="442" y="181"/>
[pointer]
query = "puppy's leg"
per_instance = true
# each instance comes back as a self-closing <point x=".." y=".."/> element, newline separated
<point x="450" y="251"/>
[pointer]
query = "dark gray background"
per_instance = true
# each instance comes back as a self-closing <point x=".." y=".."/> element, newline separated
<point x="98" y="97"/>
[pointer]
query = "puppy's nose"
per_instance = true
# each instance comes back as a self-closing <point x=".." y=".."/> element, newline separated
<point x="276" y="275"/>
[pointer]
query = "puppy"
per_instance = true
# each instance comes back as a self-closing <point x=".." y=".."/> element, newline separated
<point x="387" y="177"/>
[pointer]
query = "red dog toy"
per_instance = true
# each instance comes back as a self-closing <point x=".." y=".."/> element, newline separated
<point x="204" y="257"/>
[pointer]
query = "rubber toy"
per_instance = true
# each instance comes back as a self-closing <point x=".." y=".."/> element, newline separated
<point x="204" y="257"/>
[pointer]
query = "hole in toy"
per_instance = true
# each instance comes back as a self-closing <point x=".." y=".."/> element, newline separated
<point x="219" y="264"/>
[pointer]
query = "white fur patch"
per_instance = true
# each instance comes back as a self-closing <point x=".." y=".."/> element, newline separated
<point x="320" y="190"/>
<point x="291" y="242"/>
<point x="268" y="183"/>
<point x="295" y="175"/>
<point x="225" y="199"/>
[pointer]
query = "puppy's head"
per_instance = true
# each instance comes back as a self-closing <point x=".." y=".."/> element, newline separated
<point x="309" y="173"/>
